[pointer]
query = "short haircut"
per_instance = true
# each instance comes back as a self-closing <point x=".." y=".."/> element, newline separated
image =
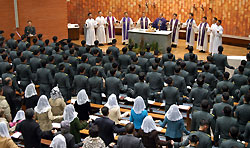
<point x="141" y="76"/>
<point x="98" y="60"/>
<point x="225" y="96"/>
<point x="175" y="14"/>
<point x="114" y="41"/>
<point x="247" y="97"/>
<point x="40" y="36"/>
<point x="220" y="48"/>
<point x="227" y="110"/>
<point x="205" y="17"/>
<point x="210" y="58"/>
<point x="204" y="105"/>
<point x="46" y="42"/>
<point x="191" y="14"/>
<point x="84" y="57"/>
<point x="204" y="122"/>
<point x="130" y="47"/>
<point x="83" y="42"/>
<point x="43" y="63"/>
<point x="132" y="67"/>
<point x="112" y="71"/>
<point x="206" y="67"/>
<point x="169" y="81"/>
<point x="200" y="81"/>
<point x="215" y="18"/>
<point x="89" y="14"/>
<point x="142" y="53"/>
<point x="190" y="48"/>
<point x="220" y="21"/>
<point x="154" y="66"/>
<point x="234" y="132"/>
<point x="124" y="50"/>
<point x="170" y="56"/>
<point x="96" y="42"/>
<point x="129" y="128"/>
<point x="34" y="40"/>
<point x="9" y="67"/>
<point x="81" y="69"/>
<point x="12" y="35"/>
<point x="241" y="68"/>
<point x="29" y="113"/>
<point x="169" y="49"/>
<point x="54" y="38"/>
<point x="177" y="69"/>
<point x="105" y="111"/>
<point x="183" y="64"/>
<point x="114" y="65"/>
<point x="61" y="67"/>
<point x="226" y="75"/>
<point x="94" y="71"/>
<point x="93" y="131"/>
<point x="193" y="139"/>
<point x="108" y="51"/>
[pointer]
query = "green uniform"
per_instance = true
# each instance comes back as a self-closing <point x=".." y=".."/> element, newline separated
<point x="62" y="80"/>
<point x="124" y="61"/>
<point x="86" y="67"/>
<point x="220" y="61"/>
<point x="179" y="82"/>
<point x="230" y="143"/>
<point x="80" y="82"/>
<point x="95" y="86"/>
<point x="218" y="109"/>
<point x="191" y="68"/>
<point x="45" y="80"/>
<point x="242" y="113"/>
<point x="156" y="84"/>
<point x="169" y="68"/>
<point x="222" y="128"/>
<point x="130" y="79"/>
<point x="197" y="116"/>
<point x="115" y="52"/>
<point x="142" y="89"/>
<point x="24" y="74"/>
<point x="227" y="83"/>
<point x="170" y="95"/>
<point x="113" y="85"/>
<point x="197" y="95"/>
<point x="204" y="140"/>
<point x="239" y="80"/>
<point x="143" y="62"/>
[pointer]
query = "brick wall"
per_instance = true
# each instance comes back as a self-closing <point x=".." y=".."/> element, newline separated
<point x="235" y="14"/>
<point x="48" y="16"/>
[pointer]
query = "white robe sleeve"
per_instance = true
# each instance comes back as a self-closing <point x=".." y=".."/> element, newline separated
<point x="184" y="25"/>
<point x="208" y="27"/>
<point x="87" y="24"/>
<point x="220" y="32"/>
<point x="131" y="21"/>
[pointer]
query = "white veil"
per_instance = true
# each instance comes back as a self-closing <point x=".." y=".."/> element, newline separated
<point x="139" y="105"/>
<point x="42" y="105"/>
<point x="82" y="97"/>
<point x="30" y="91"/>
<point x="69" y="113"/>
<point x="173" y="113"/>
<point x="148" y="124"/>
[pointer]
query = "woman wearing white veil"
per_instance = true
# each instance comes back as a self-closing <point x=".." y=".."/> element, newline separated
<point x="82" y="105"/>
<point x="57" y="102"/>
<point x="43" y="114"/>
<point x="30" y="96"/>
<point x="58" y="141"/>
<point x="174" y="121"/>
<point x="20" y="116"/>
<point x="70" y="115"/>
<point x="5" y="139"/>
<point x="138" y="112"/>
<point x="149" y="134"/>
<point x="114" y="109"/>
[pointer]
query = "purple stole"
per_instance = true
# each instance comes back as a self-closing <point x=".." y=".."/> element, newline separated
<point x="124" y="27"/>
<point x="109" y="27"/>
<point x="201" y="39"/>
<point x="175" y="28"/>
<point x="189" y="28"/>
<point x="146" y="23"/>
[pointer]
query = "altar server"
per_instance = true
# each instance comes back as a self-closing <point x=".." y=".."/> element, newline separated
<point x="160" y="23"/>
<point x="202" y="40"/>
<point x="100" y="31"/>
<point x="90" y="25"/>
<point x="218" y="37"/>
<point x="126" y="23"/>
<point x="212" y="35"/>
<point x="144" y="21"/>
<point x="110" y="30"/>
<point x="190" y="32"/>
<point x="174" y="26"/>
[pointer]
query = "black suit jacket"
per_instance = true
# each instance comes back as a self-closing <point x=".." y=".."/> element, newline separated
<point x="29" y="30"/>
<point x="32" y="133"/>
<point x="106" y="129"/>
<point x="129" y="141"/>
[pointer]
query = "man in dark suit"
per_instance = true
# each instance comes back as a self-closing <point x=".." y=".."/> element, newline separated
<point x="29" y="30"/>
<point x="134" y="142"/>
<point x="31" y="131"/>
<point x="107" y="127"/>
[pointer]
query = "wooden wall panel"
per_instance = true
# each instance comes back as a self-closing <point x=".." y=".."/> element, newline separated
<point x="235" y="14"/>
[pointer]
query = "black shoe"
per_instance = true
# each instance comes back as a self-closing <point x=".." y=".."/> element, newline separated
<point x="109" y="43"/>
<point x="123" y="43"/>
<point x="187" y="47"/>
<point x="101" y="44"/>
<point x="174" y="46"/>
<point x="203" y="51"/>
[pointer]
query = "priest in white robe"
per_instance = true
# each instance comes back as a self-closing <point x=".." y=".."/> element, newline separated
<point x="100" y="31"/>
<point x="202" y="40"/>
<point x="110" y="29"/>
<point x="126" y="23"/>
<point x="212" y="35"/>
<point x="143" y="22"/>
<point x="218" y="37"/>
<point x="190" y="31"/>
<point x="174" y="26"/>
<point x="90" y="25"/>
